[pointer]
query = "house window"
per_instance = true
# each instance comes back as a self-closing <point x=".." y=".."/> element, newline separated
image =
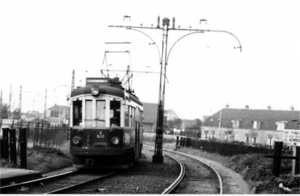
<point x="206" y="132"/>
<point x="235" y="123"/>
<point x="213" y="134"/>
<point x="247" y="139"/>
<point x="256" y="124"/>
<point x="281" y="125"/>
<point x="254" y="140"/>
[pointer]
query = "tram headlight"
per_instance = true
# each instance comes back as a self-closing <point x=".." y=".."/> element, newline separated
<point x="76" y="140"/>
<point x="115" y="140"/>
<point x="95" y="90"/>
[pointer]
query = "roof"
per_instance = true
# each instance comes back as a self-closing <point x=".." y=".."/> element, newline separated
<point x="150" y="112"/>
<point x="59" y="108"/>
<point x="246" y="117"/>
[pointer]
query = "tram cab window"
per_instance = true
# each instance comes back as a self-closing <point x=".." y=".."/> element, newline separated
<point x="77" y="113"/>
<point x="88" y="113"/>
<point x="100" y="113"/>
<point x="115" y="116"/>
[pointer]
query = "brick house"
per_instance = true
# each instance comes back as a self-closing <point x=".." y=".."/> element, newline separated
<point x="251" y="126"/>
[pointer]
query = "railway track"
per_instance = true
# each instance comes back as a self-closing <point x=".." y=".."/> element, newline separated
<point x="55" y="184"/>
<point x="199" y="177"/>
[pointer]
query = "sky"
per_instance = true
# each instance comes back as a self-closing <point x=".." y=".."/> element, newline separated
<point x="42" y="42"/>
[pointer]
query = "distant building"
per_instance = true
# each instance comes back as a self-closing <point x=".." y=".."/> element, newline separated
<point x="58" y="114"/>
<point x="150" y="117"/>
<point x="251" y="126"/>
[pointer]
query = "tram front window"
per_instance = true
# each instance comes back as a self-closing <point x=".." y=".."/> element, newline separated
<point x="100" y="113"/>
<point x="77" y="113"/>
<point x="115" y="116"/>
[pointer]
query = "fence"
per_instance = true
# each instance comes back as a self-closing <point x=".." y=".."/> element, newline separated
<point x="226" y="149"/>
<point x="38" y="135"/>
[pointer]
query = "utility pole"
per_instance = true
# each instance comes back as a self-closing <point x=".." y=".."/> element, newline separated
<point x="1" y="109"/>
<point x="9" y="111"/>
<point x="20" y="101"/>
<point x="73" y="78"/>
<point x="158" y="156"/>
<point x="45" y="106"/>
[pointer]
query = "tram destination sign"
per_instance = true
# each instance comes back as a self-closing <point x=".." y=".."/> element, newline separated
<point x="291" y="136"/>
<point x="96" y="80"/>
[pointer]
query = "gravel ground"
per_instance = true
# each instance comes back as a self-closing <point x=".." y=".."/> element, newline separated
<point x="144" y="178"/>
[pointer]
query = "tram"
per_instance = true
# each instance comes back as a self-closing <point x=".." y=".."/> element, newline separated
<point x="106" y="124"/>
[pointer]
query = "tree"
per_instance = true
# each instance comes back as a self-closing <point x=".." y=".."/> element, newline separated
<point x="17" y="113"/>
<point x="174" y="123"/>
<point x="5" y="111"/>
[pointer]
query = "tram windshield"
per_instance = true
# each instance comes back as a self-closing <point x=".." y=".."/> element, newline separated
<point x="115" y="117"/>
<point x="77" y="113"/>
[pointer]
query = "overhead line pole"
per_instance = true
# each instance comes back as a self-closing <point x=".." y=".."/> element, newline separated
<point x="158" y="157"/>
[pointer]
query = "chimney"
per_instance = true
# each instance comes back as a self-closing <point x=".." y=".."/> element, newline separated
<point x="269" y="107"/>
<point x="227" y="106"/>
<point x="292" y="108"/>
<point x="247" y="106"/>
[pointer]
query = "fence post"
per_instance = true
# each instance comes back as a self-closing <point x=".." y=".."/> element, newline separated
<point x="4" y="146"/>
<point x="12" y="150"/>
<point x="177" y="141"/>
<point x="277" y="158"/>
<point x="41" y="135"/>
<point x="23" y="148"/>
<point x="296" y="165"/>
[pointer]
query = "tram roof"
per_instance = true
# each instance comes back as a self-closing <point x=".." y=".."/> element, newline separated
<point x="108" y="88"/>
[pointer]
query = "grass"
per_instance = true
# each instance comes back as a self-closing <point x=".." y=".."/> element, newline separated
<point x="44" y="159"/>
<point x="255" y="169"/>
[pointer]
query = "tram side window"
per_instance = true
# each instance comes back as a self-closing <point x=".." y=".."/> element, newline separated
<point x="126" y="115"/>
<point x="132" y="116"/>
<point x="115" y="116"/>
<point x="77" y="113"/>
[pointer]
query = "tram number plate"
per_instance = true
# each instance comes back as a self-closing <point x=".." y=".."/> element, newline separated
<point x="100" y="135"/>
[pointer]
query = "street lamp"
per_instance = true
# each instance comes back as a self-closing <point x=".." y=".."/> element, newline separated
<point x="157" y="157"/>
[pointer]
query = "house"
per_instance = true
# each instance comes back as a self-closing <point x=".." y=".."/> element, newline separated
<point x="58" y="114"/>
<point x="150" y="117"/>
<point x="251" y="126"/>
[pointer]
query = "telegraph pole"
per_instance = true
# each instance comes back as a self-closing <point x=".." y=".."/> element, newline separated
<point x="20" y="101"/>
<point x="158" y="155"/>
<point x="45" y="105"/>
<point x="9" y="111"/>
<point x="1" y="109"/>
<point x="73" y="79"/>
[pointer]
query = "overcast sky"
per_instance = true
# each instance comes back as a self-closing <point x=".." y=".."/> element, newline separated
<point x="41" y="42"/>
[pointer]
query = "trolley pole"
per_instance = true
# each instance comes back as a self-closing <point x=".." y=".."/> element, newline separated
<point x="158" y="155"/>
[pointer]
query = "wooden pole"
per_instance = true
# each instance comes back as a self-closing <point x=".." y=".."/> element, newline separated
<point x="4" y="146"/>
<point x="277" y="158"/>
<point x="23" y="148"/>
<point x="12" y="150"/>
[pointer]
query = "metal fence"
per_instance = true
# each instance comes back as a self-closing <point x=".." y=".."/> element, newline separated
<point x="17" y="138"/>
<point x="41" y="134"/>
<point x="222" y="148"/>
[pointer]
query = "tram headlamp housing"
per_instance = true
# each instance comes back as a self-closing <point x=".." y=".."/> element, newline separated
<point x="76" y="140"/>
<point x="115" y="140"/>
<point x="95" y="90"/>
